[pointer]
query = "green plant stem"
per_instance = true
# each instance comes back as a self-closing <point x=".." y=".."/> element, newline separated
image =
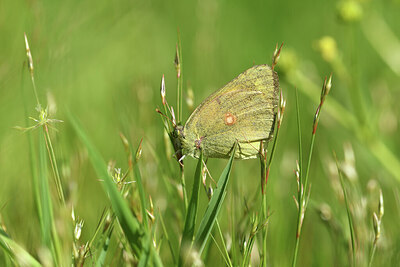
<point x="183" y="184"/>
<point x="300" y="192"/>
<point x="349" y="217"/>
<point x="299" y="135"/>
<point x="346" y="119"/>
<point x="372" y="255"/>
<point x="167" y="237"/>
<point x="309" y="162"/>
<point x="54" y="167"/>
<point x="226" y="256"/>
<point x="265" y="229"/>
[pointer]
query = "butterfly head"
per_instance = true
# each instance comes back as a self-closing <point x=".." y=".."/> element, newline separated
<point x="187" y="143"/>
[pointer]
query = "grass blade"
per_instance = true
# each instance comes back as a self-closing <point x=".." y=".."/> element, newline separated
<point x="44" y="195"/>
<point x="100" y="260"/>
<point x="16" y="252"/>
<point x="191" y="215"/>
<point x="140" y="187"/>
<point x="128" y="222"/>
<point x="214" y="206"/>
<point x="349" y="216"/>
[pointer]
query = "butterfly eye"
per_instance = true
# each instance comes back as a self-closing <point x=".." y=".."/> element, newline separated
<point x="179" y="131"/>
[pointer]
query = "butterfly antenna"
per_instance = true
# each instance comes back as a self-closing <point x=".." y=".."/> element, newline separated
<point x="165" y="116"/>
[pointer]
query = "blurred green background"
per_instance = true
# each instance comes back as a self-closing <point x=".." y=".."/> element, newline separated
<point x="103" y="61"/>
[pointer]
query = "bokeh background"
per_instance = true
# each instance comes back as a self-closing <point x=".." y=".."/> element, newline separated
<point x="103" y="61"/>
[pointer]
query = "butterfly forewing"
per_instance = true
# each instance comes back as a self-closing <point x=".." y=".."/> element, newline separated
<point x="243" y="111"/>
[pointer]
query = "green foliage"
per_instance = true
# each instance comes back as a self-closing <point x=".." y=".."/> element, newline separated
<point x="102" y="62"/>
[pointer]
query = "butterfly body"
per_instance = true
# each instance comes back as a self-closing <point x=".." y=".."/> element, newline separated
<point x="242" y="111"/>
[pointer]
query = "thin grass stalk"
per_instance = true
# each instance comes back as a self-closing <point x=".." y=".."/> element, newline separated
<point x="250" y="243"/>
<point x="309" y="159"/>
<point x="265" y="230"/>
<point x="140" y="186"/>
<point x="299" y="195"/>
<point x="184" y="192"/>
<point x="46" y="132"/>
<point x="32" y="157"/>
<point x="220" y="250"/>
<point x="349" y="216"/>
<point x="167" y="237"/>
<point x="233" y="233"/>
<point x="178" y="64"/>
<point x="49" y="232"/>
<point x="371" y="259"/>
<point x="221" y="236"/>
<point x="53" y="162"/>
<point x="179" y="102"/>
<point x="345" y="118"/>
<point x="191" y="214"/>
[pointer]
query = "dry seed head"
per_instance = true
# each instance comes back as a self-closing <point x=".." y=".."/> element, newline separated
<point x="281" y="111"/>
<point x="151" y="204"/>
<point x="282" y="104"/>
<point x="151" y="216"/>
<point x="107" y="222"/>
<point x="296" y="202"/>
<point x="73" y="214"/>
<point x="323" y="91"/>
<point x="381" y="208"/>
<point x="377" y="226"/>
<point x="173" y="116"/>
<point x="163" y="90"/>
<point x="177" y="62"/>
<point x="124" y="141"/>
<point x="328" y="85"/>
<point x="78" y="229"/>
<point x="139" y="150"/>
<point x="204" y="177"/>
<point x="29" y="55"/>
<point x="276" y="56"/>
<point x="297" y="173"/>
<point x="210" y="192"/>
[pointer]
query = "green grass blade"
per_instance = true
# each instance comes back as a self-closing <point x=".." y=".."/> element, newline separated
<point x="145" y="258"/>
<point x="214" y="206"/>
<point x="190" y="221"/>
<point x="299" y="195"/>
<point x="16" y="252"/>
<point x="44" y="195"/>
<point x="100" y="260"/>
<point x="167" y="237"/>
<point x="191" y="215"/>
<point x="299" y="136"/>
<point x="140" y="187"/>
<point x="128" y="222"/>
<point x="349" y="216"/>
<point x="49" y="233"/>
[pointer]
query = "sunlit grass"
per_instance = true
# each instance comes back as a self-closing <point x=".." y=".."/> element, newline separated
<point x="97" y="182"/>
